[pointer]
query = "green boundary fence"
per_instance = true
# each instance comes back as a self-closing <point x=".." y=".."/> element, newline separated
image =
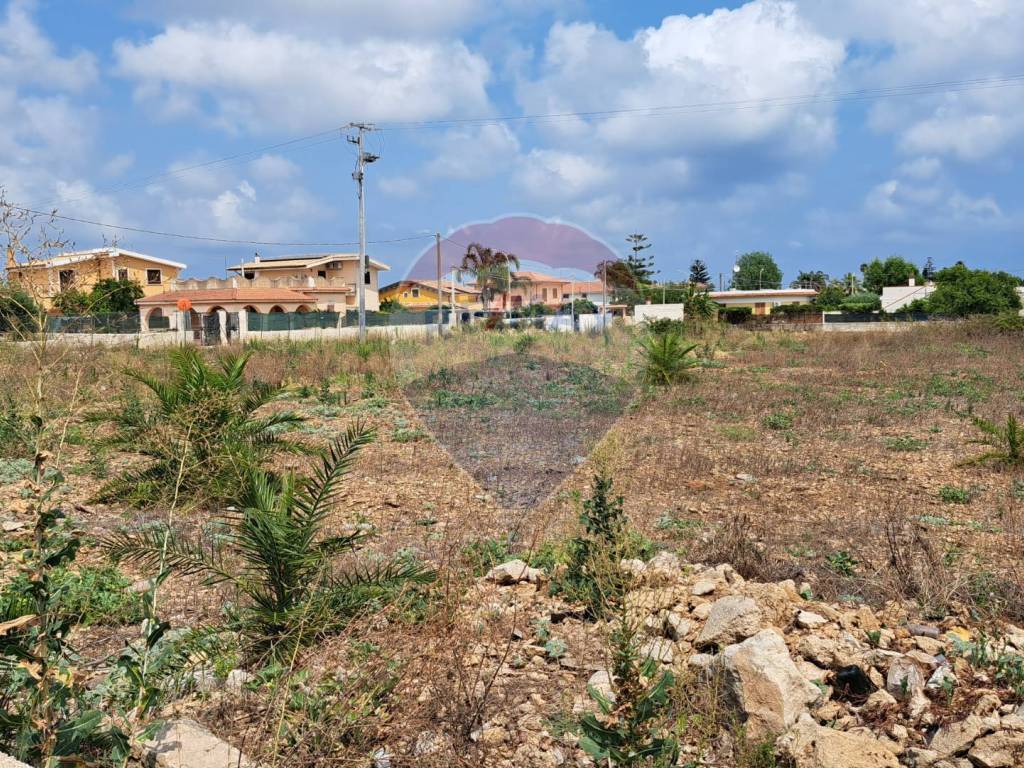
<point x="120" y="322"/>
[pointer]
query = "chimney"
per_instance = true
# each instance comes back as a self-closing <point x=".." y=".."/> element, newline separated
<point x="912" y="282"/>
<point x="256" y="259"/>
<point x="11" y="261"/>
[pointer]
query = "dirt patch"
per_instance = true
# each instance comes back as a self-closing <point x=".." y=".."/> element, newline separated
<point x="519" y="424"/>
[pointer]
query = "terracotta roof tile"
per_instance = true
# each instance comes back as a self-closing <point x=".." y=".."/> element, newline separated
<point x="227" y="295"/>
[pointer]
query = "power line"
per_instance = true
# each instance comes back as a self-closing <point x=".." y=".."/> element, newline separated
<point x="141" y="230"/>
<point x="915" y="89"/>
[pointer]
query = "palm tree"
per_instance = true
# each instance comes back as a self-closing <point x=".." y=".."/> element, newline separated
<point x="200" y="430"/>
<point x="851" y="283"/>
<point x="667" y="359"/>
<point x="273" y="552"/>
<point x="491" y="270"/>
<point x="1006" y="444"/>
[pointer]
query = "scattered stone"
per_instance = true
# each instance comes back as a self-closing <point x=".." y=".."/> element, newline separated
<point x="730" y="619"/>
<point x="702" y="587"/>
<point x="185" y="743"/>
<point x="956" y="738"/>
<point x="941" y="678"/>
<point x="514" y="572"/>
<point x="677" y="627"/>
<point x="904" y="680"/>
<point x="879" y="702"/>
<point x="634" y="568"/>
<point x="765" y="685"/>
<point x="810" y="620"/>
<point x="660" y="650"/>
<point x="702" y="611"/>
<point x="237" y="679"/>
<point x="10" y="526"/>
<point x="601" y="681"/>
<point x="810" y="745"/>
<point x="743" y="477"/>
<point x="1000" y="750"/>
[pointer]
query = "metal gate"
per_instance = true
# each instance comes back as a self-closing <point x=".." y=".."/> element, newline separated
<point x="210" y="329"/>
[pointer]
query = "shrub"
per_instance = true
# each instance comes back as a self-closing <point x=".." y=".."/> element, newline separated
<point x="952" y="494"/>
<point x="278" y="559"/>
<point x="861" y="302"/>
<point x="667" y="359"/>
<point x="960" y="292"/>
<point x="736" y="315"/>
<point x="592" y="576"/>
<point x="89" y="595"/>
<point x="663" y="325"/>
<point x="46" y="716"/>
<point x="1006" y="442"/>
<point x="905" y="444"/>
<point x="200" y="433"/>
<point x="1010" y="321"/>
<point x="778" y="421"/>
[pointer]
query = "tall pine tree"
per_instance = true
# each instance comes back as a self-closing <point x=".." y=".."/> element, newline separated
<point x="699" y="273"/>
<point x="639" y="263"/>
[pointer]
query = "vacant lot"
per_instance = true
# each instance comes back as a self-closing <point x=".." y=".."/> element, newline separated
<point x="836" y="459"/>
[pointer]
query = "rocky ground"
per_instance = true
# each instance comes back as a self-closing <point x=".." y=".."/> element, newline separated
<point x="837" y="685"/>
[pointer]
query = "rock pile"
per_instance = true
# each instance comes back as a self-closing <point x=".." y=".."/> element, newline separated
<point x="835" y="685"/>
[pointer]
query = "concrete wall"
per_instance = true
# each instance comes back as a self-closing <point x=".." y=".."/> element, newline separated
<point x="642" y="312"/>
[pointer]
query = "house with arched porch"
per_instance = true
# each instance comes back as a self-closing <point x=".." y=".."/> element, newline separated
<point x="186" y="308"/>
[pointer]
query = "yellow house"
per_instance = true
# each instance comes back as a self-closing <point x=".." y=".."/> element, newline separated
<point x="328" y="277"/>
<point x="43" y="279"/>
<point x="422" y="294"/>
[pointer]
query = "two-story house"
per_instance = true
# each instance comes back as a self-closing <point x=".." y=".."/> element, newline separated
<point x="330" y="278"/>
<point x="44" y="279"/>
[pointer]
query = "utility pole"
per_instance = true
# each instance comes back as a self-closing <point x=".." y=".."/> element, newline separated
<point x="358" y="174"/>
<point x="440" y="291"/>
<point x="604" y="299"/>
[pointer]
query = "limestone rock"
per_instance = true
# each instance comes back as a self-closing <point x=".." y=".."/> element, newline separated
<point x="765" y="685"/>
<point x="810" y="620"/>
<point x="601" y="681"/>
<point x="703" y="587"/>
<point x="956" y="738"/>
<point x="663" y="568"/>
<point x="660" y="650"/>
<point x="731" y="618"/>
<point x="904" y="680"/>
<point x="1000" y="750"/>
<point x="677" y="627"/>
<point x="186" y="744"/>
<point x="514" y="572"/>
<point x="810" y="745"/>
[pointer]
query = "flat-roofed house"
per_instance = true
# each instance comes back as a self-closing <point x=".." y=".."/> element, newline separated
<point x="330" y="277"/>
<point x="44" y="279"/>
<point x="762" y="301"/>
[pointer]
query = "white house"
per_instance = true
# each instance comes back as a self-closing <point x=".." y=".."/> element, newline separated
<point x="762" y="301"/>
<point x="897" y="296"/>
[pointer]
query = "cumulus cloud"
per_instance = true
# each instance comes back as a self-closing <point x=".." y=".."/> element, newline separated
<point x="736" y="59"/>
<point x="931" y="41"/>
<point x="257" y="82"/>
<point x="474" y="153"/>
<point x="27" y="56"/>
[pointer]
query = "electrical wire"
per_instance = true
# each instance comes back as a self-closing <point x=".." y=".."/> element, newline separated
<point x="141" y="230"/>
<point x="915" y="89"/>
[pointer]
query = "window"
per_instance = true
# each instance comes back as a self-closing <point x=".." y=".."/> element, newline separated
<point x="154" y="277"/>
<point x="322" y="273"/>
<point x="415" y="293"/>
<point x="366" y="277"/>
<point x="122" y="275"/>
<point x="66" y="277"/>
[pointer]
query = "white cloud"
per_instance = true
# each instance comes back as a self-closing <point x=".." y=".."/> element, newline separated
<point x="759" y="51"/>
<point x="474" y="153"/>
<point x="256" y="82"/>
<point x="921" y="168"/>
<point x="273" y="168"/>
<point x="27" y="56"/>
<point x="643" y="159"/>
<point x="934" y="41"/>
<point x="931" y="205"/>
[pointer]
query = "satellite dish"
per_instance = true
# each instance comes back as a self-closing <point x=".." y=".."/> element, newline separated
<point x="736" y="268"/>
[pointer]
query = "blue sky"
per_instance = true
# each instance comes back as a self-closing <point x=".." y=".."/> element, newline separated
<point x="100" y="95"/>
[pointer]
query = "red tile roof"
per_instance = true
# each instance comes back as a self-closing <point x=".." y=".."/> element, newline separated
<point x="226" y="295"/>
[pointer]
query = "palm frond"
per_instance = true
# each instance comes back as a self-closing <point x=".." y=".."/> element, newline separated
<point x="147" y="548"/>
<point x="318" y="491"/>
<point x="386" y="575"/>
